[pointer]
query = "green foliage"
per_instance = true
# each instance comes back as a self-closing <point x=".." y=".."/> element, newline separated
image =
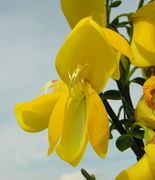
<point x="138" y="80"/>
<point x="111" y="94"/>
<point x="87" y="175"/>
<point x="115" y="4"/>
<point x="124" y="142"/>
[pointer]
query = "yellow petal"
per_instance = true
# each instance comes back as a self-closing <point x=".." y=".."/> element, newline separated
<point x="56" y="122"/>
<point x="34" y="116"/>
<point x="116" y="74"/>
<point x="86" y="45"/>
<point x="119" y="43"/>
<point x="75" y="10"/>
<point x="150" y="149"/>
<point x="144" y="114"/>
<point x="139" y="171"/>
<point x="98" y="127"/>
<point x="143" y="33"/>
<point x="60" y="87"/>
<point x="142" y="57"/>
<point x="146" y="11"/>
<point x="73" y="140"/>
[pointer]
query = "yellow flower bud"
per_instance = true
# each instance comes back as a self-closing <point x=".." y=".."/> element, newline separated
<point x="144" y="114"/>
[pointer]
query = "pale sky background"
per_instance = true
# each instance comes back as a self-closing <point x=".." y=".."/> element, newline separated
<point x="31" y="33"/>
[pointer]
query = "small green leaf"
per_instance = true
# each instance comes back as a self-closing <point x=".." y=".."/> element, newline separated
<point x="138" y="80"/>
<point x="137" y="133"/>
<point x="115" y="22"/>
<point x="124" y="142"/>
<point x="111" y="94"/>
<point x="87" y="175"/>
<point x="115" y="4"/>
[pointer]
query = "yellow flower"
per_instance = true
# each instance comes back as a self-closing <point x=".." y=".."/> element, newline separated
<point x="143" y="41"/>
<point x="145" y="109"/>
<point x="144" y="169"/>
<point x="74" y="113"/>
<point x="75" y="10"/>
<point x="85" y="62"/>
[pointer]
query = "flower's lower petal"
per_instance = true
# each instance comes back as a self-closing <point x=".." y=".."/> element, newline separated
<point x="139" y="171"/>
<point x="150" y="153"/>
<point x="118" y="42"/>
<point x="142" y="57"/>
<point x="98" y="127"/>
<point x="34" y="116"/>
<point x="73" y="140"/>
<point x="56" y="122"/>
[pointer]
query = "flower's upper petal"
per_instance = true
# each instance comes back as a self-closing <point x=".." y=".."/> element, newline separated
<point x="74" y="136"/>
<point x="139" y="171"/>
<point x="144" y="33"/>
<point x="98" y="127"/>
<point x="119" y="43"/>
<point x="56" y="122"/>
<point x="34" y="116"/>
<point x="142" y="57"/>
<point x="75" y="10"/>
<point x="146" y="11"/>
<point x="143" y="113"/>
<point x="86" y="45"/>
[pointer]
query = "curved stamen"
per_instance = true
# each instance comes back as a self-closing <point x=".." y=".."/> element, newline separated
<point x="77" y="82"/>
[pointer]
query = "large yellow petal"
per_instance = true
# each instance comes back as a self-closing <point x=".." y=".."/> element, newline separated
<point x="118" y="42"/>
<point x="143" y="113"/>
<point x="144" y="33"/>
<point x="146" y="11"/>
<point x="34" y="116"/>
<point x="56" y="122"/>
<point x="142" y="57"/>
<point x="86" y="45"/>
<point x="139" y="171"/>
<point x="75" y="10"/>
<point x="74" y="135"/>
<point x="98" y="127"/>
<point x="150" y="149"/>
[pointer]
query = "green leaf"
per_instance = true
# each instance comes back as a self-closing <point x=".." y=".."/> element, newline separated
<point x="111" y="94"/>
<point x="124" y="142"/>
<point x="87" y="175"/>
<point x="115" y="22"/>
<point x="138" y="80"/>
<point x="115" y="4"/>
<point x="137" y="133"/>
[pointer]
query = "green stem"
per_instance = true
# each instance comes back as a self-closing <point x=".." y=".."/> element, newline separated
<point x="141" y="2"/>
<point x="132" y="72"/>
<point x="135" y="148"/>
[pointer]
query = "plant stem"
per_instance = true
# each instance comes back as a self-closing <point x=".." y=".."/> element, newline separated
<point x="135" y="148"/>
<point x="141" y="2"/>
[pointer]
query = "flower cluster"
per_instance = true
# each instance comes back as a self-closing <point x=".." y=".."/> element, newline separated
<point x="93" y="52"/>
